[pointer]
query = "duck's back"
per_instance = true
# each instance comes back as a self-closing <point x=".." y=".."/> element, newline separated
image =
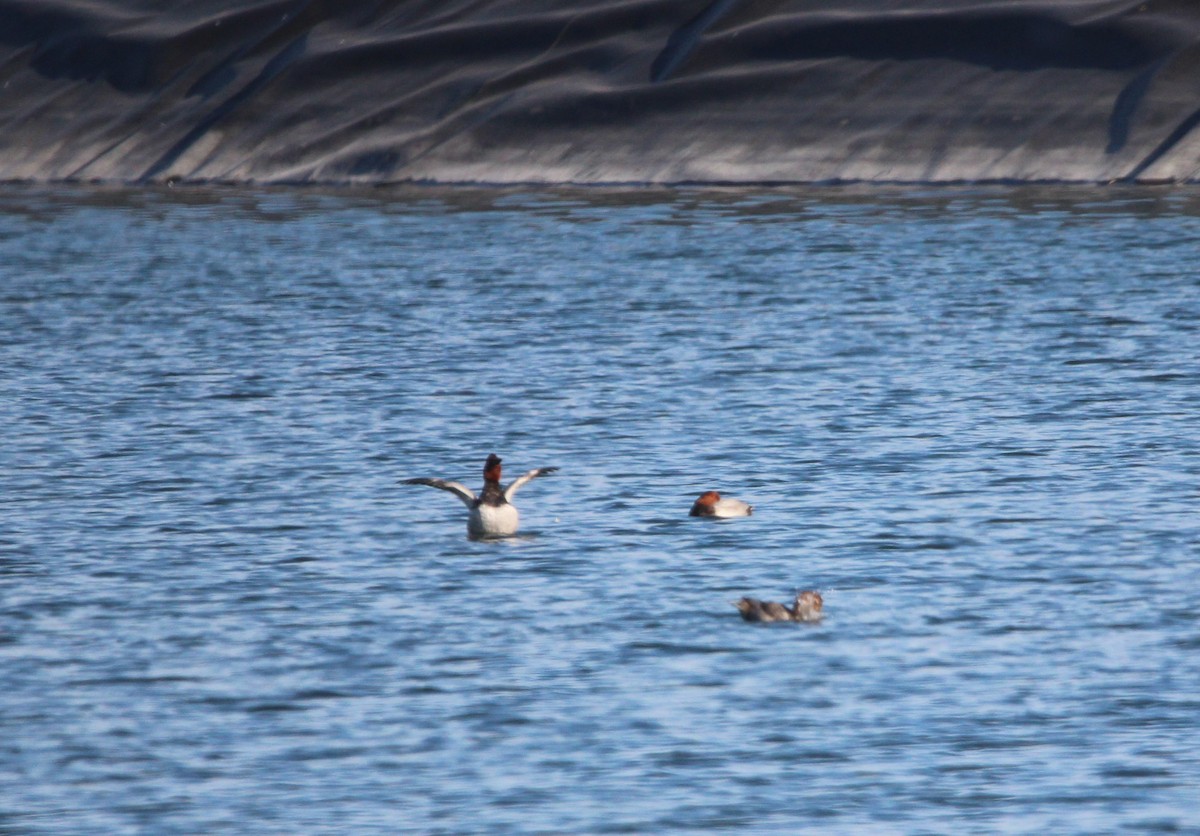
<point x="753" y="609"/>
<point x="732" y="508"/>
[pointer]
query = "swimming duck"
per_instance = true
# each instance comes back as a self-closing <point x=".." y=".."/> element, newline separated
<point x="492" y="513"/>
<point x="710" y="504"/>
<point x="806" y="608"/>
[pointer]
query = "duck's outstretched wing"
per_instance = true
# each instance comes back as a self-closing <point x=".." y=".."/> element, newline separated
<point x="525" y="477"/>
<point x="457" y="488"/>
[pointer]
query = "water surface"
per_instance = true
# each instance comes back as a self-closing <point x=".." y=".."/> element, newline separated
<point x="968" y="417"/>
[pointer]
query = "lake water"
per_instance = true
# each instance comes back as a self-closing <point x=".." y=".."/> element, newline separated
<point x="970" y="417"/>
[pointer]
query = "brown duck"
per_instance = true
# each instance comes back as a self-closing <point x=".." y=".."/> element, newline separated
<point x="807" y="607"/>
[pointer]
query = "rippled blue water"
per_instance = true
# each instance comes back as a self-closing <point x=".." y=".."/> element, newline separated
<point x="968" y="417"/>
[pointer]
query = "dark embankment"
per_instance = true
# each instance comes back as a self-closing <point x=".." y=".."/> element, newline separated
<point x="599" y="90"/>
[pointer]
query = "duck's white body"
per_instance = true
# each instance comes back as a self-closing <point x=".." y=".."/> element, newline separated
<point x="491" y="513"/>
<point x="493" y="520"/>
<point x="733" y="508"/>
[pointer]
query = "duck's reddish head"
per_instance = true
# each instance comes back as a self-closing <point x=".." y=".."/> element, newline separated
<point x="491" y="468"/>
<point x="705" y="503"/>
<point x="810" y="599"/>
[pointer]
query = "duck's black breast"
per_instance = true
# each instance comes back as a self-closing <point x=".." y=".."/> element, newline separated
<point x="492" y="494"/>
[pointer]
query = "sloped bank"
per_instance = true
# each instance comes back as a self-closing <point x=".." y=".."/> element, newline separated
<point x="631" y="91"/>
